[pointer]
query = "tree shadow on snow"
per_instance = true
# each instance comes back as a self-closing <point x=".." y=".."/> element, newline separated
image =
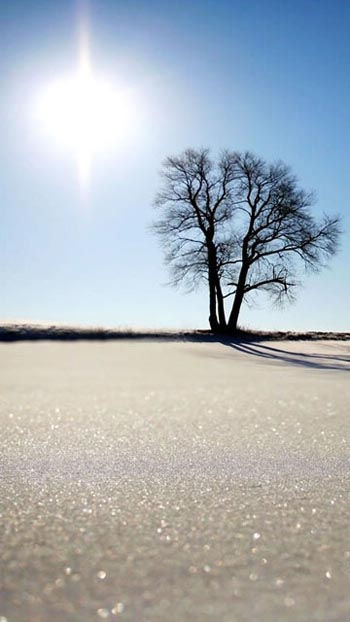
<point x="340" y="362"/>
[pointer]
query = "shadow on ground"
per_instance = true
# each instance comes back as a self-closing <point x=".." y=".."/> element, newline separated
<point x="324" y="361"/>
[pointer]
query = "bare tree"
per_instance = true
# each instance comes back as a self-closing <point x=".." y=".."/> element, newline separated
<point x="241" y="224"/>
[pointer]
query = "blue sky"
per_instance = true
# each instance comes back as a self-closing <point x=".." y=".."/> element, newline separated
<point x="264" y="75"/>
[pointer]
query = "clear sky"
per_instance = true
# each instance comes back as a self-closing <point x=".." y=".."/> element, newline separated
<point x="271" y="76"/>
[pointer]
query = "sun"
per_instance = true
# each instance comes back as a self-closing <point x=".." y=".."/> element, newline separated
<point x="84" y="113"/>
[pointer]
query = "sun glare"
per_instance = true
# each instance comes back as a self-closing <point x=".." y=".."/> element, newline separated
<point x="84" y="113"/>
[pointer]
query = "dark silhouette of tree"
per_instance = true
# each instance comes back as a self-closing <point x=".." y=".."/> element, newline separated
<point x="240" y="224"/>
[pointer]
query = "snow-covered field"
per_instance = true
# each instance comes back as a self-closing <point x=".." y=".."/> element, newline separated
<point x="182" y="481"/>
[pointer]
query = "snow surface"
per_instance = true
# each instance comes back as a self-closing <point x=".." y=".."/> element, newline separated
<point x="154" y="482"/>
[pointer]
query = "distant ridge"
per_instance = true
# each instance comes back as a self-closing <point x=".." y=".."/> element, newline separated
<point x="40" y="332"/>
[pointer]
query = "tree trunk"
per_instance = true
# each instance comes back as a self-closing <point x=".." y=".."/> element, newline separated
<point x="237" y="303"/>
<point x="233" y="319"/>
<point x="214" y="282"/>
<point x="221" y="306"/>
<point x="213" y="319"/>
